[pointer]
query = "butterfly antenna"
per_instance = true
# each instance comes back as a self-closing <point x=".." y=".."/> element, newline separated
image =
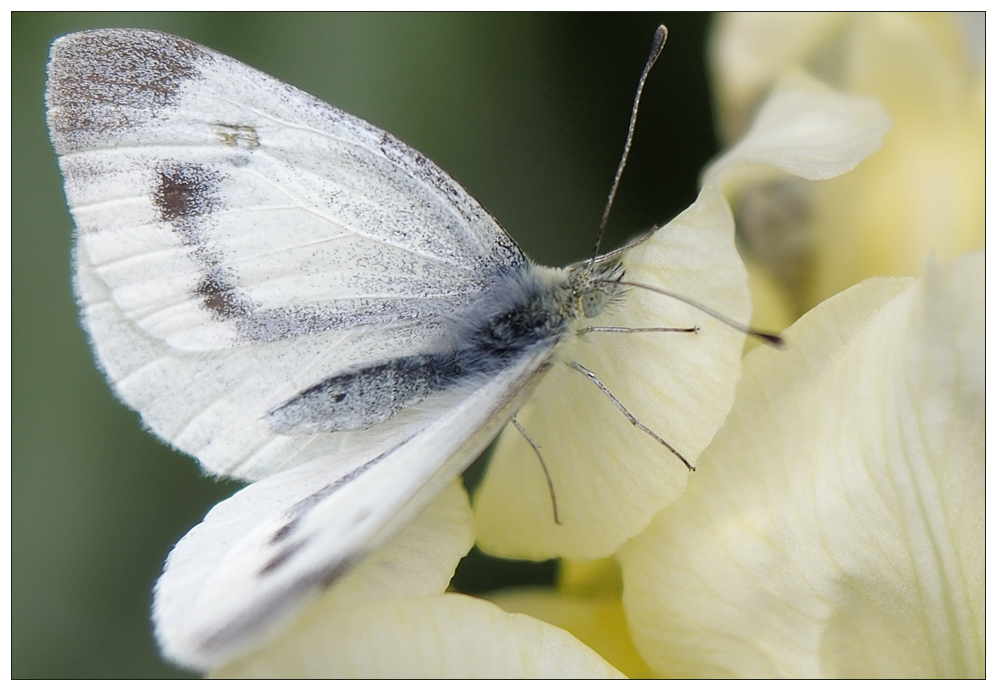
<point x="659" y="38"/>
<point x="766" y="337"/>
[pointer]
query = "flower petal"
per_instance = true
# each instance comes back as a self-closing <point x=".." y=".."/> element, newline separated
<point x="807" y="129"/>
<point x="925" y="190"/>
<point x="748" y="51"/>
<point x="837" y="528"/>
<point x="597" y="621"/>
<point x="446" y="636"/>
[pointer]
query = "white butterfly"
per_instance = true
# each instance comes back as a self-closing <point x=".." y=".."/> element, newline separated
<point x="290" y="294"/>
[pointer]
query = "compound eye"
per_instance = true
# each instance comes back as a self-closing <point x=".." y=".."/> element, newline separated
<point x="593" y="303"/>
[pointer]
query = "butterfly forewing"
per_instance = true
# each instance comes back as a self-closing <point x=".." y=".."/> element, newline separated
<point x="239" y="241"/>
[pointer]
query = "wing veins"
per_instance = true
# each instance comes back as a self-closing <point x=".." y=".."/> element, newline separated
<point x="352" y="230"/>
<point x="377" y="132"/>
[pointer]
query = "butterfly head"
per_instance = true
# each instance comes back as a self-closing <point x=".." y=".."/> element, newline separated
<point x="593" y="287"/>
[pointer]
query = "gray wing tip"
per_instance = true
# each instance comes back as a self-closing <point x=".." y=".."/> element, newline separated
<point x="99" y="77"/>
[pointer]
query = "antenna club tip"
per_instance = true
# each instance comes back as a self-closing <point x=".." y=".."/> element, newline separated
<point x="659" y="38"/>
<point x="771" y="339"/>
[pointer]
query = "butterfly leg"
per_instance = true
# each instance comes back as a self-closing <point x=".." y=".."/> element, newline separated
<point x="625" y="412"/>
<point x="636" y="330"/>
<point x="545" y="469"/>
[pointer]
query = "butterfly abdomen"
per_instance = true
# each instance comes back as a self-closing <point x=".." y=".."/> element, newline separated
<point x="362" y="396"/>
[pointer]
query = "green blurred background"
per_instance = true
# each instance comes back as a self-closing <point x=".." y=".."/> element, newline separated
<point x="528" y="112"/>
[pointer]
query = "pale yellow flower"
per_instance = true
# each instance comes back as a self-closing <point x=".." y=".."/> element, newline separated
<point x="923" y="193"/>
<point x="588" y="603"/>
<point x="837" y="525"/>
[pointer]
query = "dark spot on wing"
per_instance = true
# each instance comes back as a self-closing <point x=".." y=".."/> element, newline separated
<point x="282" y="557"/>
<point x="335" y="572"/>
<point x="326" y="578"/>
<point x="104" y="84"/>
<point x="264" y="611"/>
<point x="296" y="512"/>
<point x="283" y="533"/>
<point x="186" y="195"/>
<point x="220" y="297"/>
<point x="187" y="190"/>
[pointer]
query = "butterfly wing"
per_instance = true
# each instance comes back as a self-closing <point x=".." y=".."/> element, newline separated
<point x="239" y="241"/>
<point x="262" y="555"/>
